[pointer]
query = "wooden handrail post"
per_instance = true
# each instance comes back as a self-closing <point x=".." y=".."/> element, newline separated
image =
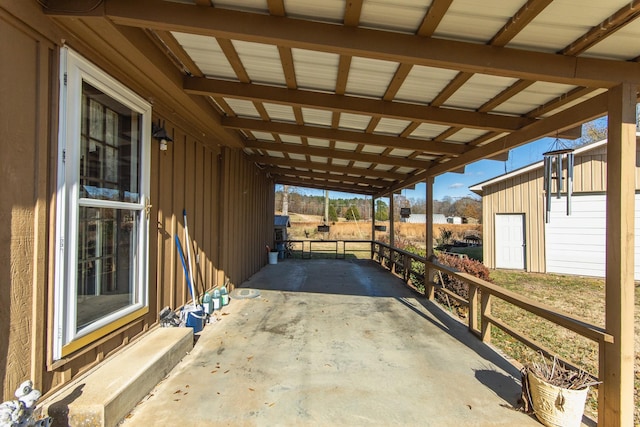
<point x="485" y="307"/>
<point x="429" y="274"/>
<point x="407" y="268"/>
<point x="473" y="308"/>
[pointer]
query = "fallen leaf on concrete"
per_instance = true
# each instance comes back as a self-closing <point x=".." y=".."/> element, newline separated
<point x="250" y="389"/>
<point x="177" y="391"/>
<point x="249" y="358"/>
<point x="176" y="400"/>
<point x="227" y="371"/>
<point x="214" y="371"/>
<point x="272" y="404"/>
<point x="225" y="314"/>
<point x="187" y="386"/>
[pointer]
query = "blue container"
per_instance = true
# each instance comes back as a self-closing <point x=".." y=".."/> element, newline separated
<point x="280" y="247"/>
<point x="195" y="319"/>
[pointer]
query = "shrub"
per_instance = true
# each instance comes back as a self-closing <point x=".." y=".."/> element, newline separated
<point x="464" y="265"/>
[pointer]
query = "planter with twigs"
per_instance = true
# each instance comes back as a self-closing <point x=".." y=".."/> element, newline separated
<point x="555" y="393"/>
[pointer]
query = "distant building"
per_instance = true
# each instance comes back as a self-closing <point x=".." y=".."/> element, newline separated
<point x="422" y="219"/>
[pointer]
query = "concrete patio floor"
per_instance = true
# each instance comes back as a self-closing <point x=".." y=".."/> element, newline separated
<point x="335" y="342"/>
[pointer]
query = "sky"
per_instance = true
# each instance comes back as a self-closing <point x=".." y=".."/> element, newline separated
<point x="457" y="185"/>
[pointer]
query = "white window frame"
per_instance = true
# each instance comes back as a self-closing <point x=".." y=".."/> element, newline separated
<point x="74" y="69"/>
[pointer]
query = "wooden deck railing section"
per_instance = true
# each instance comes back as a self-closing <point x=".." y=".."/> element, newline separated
<point x="411" y="269"/>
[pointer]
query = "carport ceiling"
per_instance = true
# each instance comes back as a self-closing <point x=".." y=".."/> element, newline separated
<point x="373" y="96"/>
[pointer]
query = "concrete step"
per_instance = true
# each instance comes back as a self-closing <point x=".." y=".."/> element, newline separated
<point x="107" y="394"/>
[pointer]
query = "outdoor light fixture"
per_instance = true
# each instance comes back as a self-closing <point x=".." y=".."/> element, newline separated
<point x="160" y="133"/>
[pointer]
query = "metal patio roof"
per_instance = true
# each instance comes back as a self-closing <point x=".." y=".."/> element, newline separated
<point x="371" y="96"/>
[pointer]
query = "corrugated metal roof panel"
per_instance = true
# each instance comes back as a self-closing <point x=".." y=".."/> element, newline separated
<point x="535" y="95"/>
<point x="563" y="22"/>
<point x="340" y="162"/>
<point x="279" y="112"/>
<point x="476" y="22"/>
<point x="622" y="45"/>
<point x="207" y="55"/>
<point x="576" y="102"/>
<point x="348" y="146"/>
<point x="318" y="159"/>
<point x="395" y="15"/>
<point x="315" y="142"/>
<point x="263" y="136"/>
<point x="294" y="156"/>
<point x="261" y="61"/>
<point x="325" y="10"/>
<point x="316" y="117"/>
<point x="363" y="165"/>
<point x="466" y="135"/>
<point x="405" y="170"/>
<point x="242" y="108"/>
<point x="392" y="126"/>
<point x="354" y="121"/>
<point x="370" y="77"/>
<point x="290" y="139"/>
<point x="478" y="90"/>
<point x="373" y="149"/>
<point x="384" y="168"/>
<point x="397" y="152"/>
<point x="424" y="83"/>
<point x="315" y="70"/>
<point x="428" y="131"/>
<point x="244" y="5"/>
<point x="275" y="154"/>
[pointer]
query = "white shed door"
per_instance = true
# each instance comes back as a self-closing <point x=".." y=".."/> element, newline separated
<point x="576" y="244"/>
<point x="510" y="244"/>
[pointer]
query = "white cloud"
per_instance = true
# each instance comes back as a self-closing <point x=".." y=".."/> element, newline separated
<point x="457" y="185"/>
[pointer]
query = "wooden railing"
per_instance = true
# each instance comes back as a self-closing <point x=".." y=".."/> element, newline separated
<point x="411" y="269"/>
<point x="338" y="249"/>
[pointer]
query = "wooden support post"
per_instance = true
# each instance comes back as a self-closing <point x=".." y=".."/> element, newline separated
<point x="429" y="273"/>
<point x="473" y="308"/>
<point x="617" y="372"/>
<point x="392" y="234"/>
<point x="373" y="223"/>
<point x="485" y="308"/>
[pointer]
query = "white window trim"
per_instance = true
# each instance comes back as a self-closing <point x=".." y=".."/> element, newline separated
<point x="74" y="69"/>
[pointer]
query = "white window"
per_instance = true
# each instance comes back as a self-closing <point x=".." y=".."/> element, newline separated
<point x="102" y="225"/>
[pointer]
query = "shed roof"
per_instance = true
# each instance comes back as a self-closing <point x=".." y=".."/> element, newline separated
<point x="369" y="96"/>
<point x="281" y="221"/>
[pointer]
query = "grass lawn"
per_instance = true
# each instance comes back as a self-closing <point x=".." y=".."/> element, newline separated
<point x="579" y="296"/>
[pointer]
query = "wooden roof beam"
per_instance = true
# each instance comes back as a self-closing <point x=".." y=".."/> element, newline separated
<point x="336" y="154"/>
<point x="327" y="175"/>
<point x="351" y="104"/>
<point x="326" y="185"/>
<point x="279" y="161"/>
<point x="424" y="146"/>
<point x="369" y="43"/>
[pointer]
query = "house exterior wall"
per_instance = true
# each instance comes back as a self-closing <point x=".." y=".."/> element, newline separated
<point x="229" y="203"/>
<point x="524" y="193"/>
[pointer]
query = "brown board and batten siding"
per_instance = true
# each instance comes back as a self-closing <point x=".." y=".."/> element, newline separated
<point x="523" y="193"/>
<point x="27" y="128"/>
<point x="229" y="203"/>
